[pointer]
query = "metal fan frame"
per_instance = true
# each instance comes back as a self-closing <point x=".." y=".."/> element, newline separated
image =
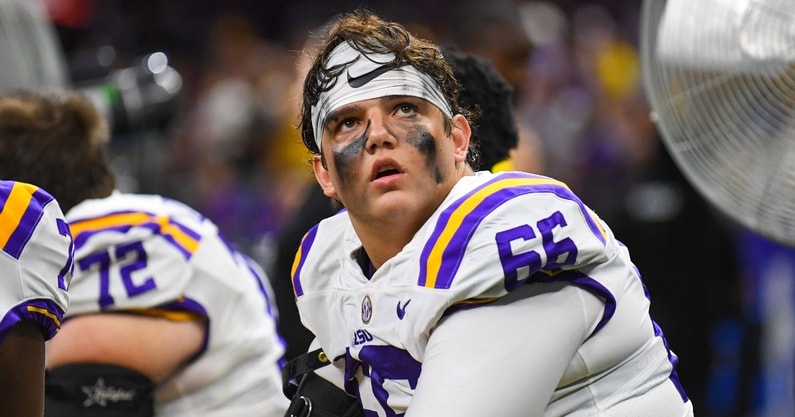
<point x="740" y="126"/>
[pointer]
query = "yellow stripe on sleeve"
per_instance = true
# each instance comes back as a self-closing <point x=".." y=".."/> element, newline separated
<point x="45" y="312"/>
<point x="108" y="222"/>
<point x="16" y="204"/>
<point x="434" y="261"/>
<point x="189" y="243"/>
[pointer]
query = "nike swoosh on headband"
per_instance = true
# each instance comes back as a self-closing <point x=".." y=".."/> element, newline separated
<point x="362" y="80"/>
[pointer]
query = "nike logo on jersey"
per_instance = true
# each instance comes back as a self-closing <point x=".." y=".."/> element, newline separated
<point x="401" y="310"/>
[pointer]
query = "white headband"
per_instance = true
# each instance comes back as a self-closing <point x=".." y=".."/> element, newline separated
<point x="371" y="76"/>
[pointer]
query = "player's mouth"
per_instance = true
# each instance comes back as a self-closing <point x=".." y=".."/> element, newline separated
<point x="384" y="169"/>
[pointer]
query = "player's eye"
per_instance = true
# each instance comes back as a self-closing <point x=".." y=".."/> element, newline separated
<point x="406" y="109"/>
<point x="346" y="125"/>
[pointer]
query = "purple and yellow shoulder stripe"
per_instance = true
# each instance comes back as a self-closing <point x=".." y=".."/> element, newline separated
<point x="178" y="235"/>
<point x="300" y="258"/>
<point x="444" y="251"/>
<point x="21" y="209"/>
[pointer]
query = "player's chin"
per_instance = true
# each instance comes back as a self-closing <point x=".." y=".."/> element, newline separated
<point x="393" y="202"/>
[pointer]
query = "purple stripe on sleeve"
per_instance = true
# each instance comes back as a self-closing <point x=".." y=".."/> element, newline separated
<point x="561" y="192"/>
<point x="82" y="238"/>
<point x="185" y="304"/>
<point x="27" y="224"/>
<point x="68" y="268"/>
<point x="111" y="214"/>
<point x="454" y="251"/>
<point x="594" y="287"/>
<point x="587" y="283"/>
<point x="306" y="244"/>
<point x="260" y="280"/>
<point x="157" y="229"/>
<point x="170" y="239"/>
<point x="576" y="278"/>
<point x="253" y="268"/>
<point x="674" y="361"/>
<point x="46" y="313"/>
<point x="444" y="218"/>
<point x="5" y="191"/>
<point x="186" y="230"/>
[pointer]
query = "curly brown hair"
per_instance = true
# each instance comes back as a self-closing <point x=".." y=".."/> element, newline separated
<point x="368" y="33"/>
<point x="55" y="140"/>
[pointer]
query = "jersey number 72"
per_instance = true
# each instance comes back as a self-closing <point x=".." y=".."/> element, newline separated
<point x="130" y="257"/>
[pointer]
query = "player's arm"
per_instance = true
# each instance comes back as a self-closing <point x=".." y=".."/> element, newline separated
<point x="134" y="353"/>
<point x="505" y="358"/>
<point x="153" y="346"/>
<point x="22" y="371"/>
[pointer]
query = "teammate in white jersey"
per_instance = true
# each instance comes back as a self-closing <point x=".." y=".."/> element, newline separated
<point x="166" y="318"/>
<point x="35" y="270"/>
<point x="441" y="291"/>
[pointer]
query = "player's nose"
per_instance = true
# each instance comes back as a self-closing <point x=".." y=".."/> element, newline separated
<point x="378" y="133"/>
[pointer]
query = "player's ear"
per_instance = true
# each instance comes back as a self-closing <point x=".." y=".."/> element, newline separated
<point x="323" y="177"/>
<point x="460" y="134"/>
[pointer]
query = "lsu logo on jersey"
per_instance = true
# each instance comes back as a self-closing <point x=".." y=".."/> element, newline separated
<point x="361" y="336"/>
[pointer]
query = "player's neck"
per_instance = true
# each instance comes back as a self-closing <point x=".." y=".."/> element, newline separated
<point x="384" y="241"/>
<point x="379" y="253"/>
<point x="385" y="236"/>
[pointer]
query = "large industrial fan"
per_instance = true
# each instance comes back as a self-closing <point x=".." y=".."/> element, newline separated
<point x="720" y="78"/>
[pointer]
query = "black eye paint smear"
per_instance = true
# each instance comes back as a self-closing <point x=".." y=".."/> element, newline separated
<point x="346" y="157"/>
<point x="426" y="144"/>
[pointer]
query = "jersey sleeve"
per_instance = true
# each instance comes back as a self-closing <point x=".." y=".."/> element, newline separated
<point x="36" y="259"/>
<point x="520" y="225"/>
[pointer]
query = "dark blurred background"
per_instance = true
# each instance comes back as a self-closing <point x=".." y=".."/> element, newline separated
<point x="222" y="138"/>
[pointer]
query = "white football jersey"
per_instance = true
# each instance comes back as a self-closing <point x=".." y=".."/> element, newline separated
<point x="153" y="255"/>
<point x="35" y="258"/>
<point x="491" y="235"/>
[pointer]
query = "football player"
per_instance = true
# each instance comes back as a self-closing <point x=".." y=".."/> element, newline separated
<point x="166" y="317"/>
<point x="35" y="271"/>
<point x="441" y="290"/>
<point x="483" y="90"/>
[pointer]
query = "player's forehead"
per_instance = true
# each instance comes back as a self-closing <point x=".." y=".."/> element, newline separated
<point x="383" y="101"/>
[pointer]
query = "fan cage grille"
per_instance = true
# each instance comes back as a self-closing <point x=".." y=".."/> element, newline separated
<point x="731" y="133"/>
